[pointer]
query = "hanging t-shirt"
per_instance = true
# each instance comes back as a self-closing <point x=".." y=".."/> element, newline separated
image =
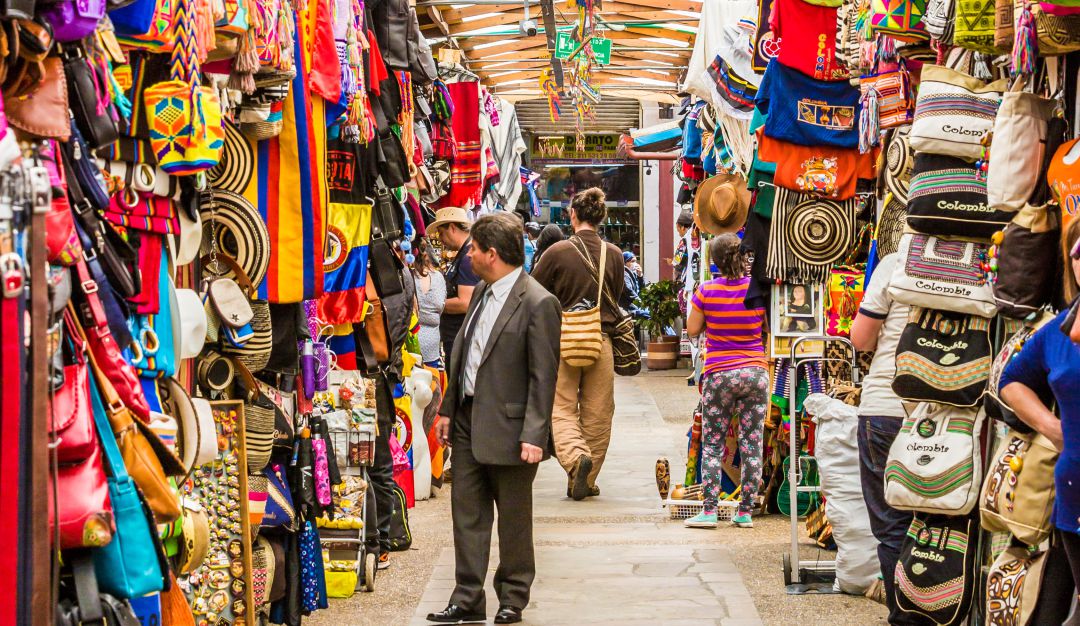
<point x="808" y="112"/>
<point x="807" y="35"/>
<point x="1063" y="177"/>
<point x="823" y="170"/>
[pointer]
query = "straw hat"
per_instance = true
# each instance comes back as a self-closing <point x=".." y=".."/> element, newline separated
<point x="449" y="215"/>
<point x="721" y="204"/>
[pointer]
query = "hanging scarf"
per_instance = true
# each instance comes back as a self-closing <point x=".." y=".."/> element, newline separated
<point x="467" y="170"/>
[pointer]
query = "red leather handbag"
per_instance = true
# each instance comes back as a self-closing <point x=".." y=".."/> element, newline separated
<point x="72" y="424"/>
<point x="105" y="350"/>
<point x="61" y="239"/>
<point x="84" y="512"/>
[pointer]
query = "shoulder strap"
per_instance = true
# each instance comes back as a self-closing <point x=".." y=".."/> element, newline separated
<point x="113" y="458"/>
<point x="606" y="295"/>
<point x="600" y="274"/>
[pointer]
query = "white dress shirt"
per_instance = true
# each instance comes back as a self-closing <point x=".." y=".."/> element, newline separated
<point x="484" y="318"/>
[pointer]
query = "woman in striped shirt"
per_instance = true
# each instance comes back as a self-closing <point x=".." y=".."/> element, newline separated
<point x="734" y="380"/>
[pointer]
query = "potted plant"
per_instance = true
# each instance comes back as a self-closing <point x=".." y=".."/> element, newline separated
<point x="661" y="300"/>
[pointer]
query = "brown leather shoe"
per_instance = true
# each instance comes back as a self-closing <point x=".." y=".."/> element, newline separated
<point x="580" y="489"/>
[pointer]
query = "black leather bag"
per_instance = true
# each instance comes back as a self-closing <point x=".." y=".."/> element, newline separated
<point x="943" y="357"/>
<point x="118" y="259"/>
<point x="384" y="268"/>
<point x="88" y="98"/>
<point x="388" y="218"/>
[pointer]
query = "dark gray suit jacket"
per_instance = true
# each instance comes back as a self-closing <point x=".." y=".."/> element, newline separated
<point x="515" y="385"/>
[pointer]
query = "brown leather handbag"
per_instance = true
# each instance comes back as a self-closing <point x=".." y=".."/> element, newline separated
<point x="372" y="338"/>
<point x="146" y="458"/>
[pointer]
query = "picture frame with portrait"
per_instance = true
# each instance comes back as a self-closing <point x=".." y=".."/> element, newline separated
<point x="797" y="310"/>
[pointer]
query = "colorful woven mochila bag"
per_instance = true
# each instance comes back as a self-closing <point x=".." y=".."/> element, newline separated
<point x="184" y="118"/>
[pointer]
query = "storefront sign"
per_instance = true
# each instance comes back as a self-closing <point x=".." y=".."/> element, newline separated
<point x="597" y="148"/>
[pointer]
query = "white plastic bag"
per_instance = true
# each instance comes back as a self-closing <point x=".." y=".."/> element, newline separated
<point x="837" y="454"/>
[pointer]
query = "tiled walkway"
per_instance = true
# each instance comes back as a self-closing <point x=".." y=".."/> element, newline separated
<point x="617" y="559"/>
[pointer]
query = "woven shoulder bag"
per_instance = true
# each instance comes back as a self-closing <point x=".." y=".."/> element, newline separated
<point x="582" y="338"/>
<point x="624" y="345"/>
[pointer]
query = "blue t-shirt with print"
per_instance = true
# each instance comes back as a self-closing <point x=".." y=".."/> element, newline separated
<point x="808" y="112"/>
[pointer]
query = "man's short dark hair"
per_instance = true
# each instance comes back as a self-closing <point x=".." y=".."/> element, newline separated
<point x="590" y="206"/>
<point x="503" y="232"/>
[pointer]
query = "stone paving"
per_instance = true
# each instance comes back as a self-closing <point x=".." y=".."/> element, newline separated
<point x="616" y="559"/>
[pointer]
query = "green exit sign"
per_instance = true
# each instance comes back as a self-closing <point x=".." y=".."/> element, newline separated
<point x="565" y="46"/>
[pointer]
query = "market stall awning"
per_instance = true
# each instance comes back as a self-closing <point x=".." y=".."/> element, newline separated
<point x="650" y="40"/>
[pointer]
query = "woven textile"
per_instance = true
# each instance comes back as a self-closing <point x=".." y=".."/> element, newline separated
<point x="467" y="169"/>
<point x="807" y="235"/>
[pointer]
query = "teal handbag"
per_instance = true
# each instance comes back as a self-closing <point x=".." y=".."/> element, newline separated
<point x="130" y="565"/>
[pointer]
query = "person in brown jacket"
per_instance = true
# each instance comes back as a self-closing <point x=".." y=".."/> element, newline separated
<point x="584" y="396"/>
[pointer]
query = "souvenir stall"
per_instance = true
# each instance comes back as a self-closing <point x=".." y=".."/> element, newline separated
<point x="943" y="133"/>
<point x="207" y="216"/>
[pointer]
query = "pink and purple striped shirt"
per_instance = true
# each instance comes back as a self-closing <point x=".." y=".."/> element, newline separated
<point x="733" y="333"/>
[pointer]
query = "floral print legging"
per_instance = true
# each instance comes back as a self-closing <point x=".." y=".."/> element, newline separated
<point x="742" y="392"/>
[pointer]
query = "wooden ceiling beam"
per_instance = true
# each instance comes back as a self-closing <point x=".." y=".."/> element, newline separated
<point x="454" y="16"/>
<point x="659" y="5"/>
<point x="538" y="43"/>
<point x="666" y="33"/>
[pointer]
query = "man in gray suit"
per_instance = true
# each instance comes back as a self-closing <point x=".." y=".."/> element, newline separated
<point x="497" y="416"/>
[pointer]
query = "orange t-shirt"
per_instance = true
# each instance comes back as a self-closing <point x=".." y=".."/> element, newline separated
<point x="823" y="170"/>
<point x="1063" y="176"/>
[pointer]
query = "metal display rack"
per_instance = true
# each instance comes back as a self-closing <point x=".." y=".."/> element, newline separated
<point x="800" y="576"/>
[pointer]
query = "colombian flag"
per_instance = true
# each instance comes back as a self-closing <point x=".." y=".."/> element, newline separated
<point x="290" y="187"/>
<point x="345" y="265"/>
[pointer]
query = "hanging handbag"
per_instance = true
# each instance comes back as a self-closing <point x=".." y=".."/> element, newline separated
<point x="900" y="19"/>
<point x="948" y="198"/>
<point x="84" y="513"/>
<point x="251" y="342"/>
<point x="72" y="20"/>
<point x="88" y="96"/>
<point x="145" y="457"/>
<point x="845" y="291"/>
<point x="975" y="25"/>
<point x="940" y="20"/>
<point x="372" y="336"/>
<point x="384" y="268"/>
<point x="935" y="462"/>
<point x="1057" y="34"/>
<point x="130" y="565"/>
<point x="1028" y="261"/>
<point x="387" y="217"/>
<point x="1012" y="586"/>
<point x="893" y="99"/>
<point x="279" y="506"/>
<point x="936" y="575"/>
<point x="943" y="357"/>
<point x="582" y="338"/>
<point x="44" y="113"/>
<point x="1018" y="492"/>
<point x="259" y="421"/>
<point x="953" y="112"/>
<point x="943" y="275"/>
<point x="104" y="350"/>
<point x="1020" y="135"/>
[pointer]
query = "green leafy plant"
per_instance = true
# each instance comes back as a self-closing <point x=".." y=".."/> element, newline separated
<point x="661" y="300"/>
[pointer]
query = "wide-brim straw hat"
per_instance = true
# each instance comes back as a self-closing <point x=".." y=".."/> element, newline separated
<point x="721" y="204"/>
<point x="449" y="215"/>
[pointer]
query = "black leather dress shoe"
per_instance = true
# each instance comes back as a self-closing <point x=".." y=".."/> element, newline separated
<point x="454" y="614"/>
<point x="508" y="615"/>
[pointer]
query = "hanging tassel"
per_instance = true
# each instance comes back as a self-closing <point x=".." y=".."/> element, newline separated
<point x="981" y="66"/>
<point x="886" y="49"/>
<point x="869" y="121"/>
<point x="1026" y="45"/>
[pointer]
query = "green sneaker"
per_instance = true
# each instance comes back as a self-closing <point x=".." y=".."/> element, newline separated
<point x="742" y="520"/>
<point x="701" y="520"/>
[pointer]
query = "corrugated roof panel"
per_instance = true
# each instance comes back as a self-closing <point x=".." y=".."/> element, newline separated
<point x="613" y="115"/>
